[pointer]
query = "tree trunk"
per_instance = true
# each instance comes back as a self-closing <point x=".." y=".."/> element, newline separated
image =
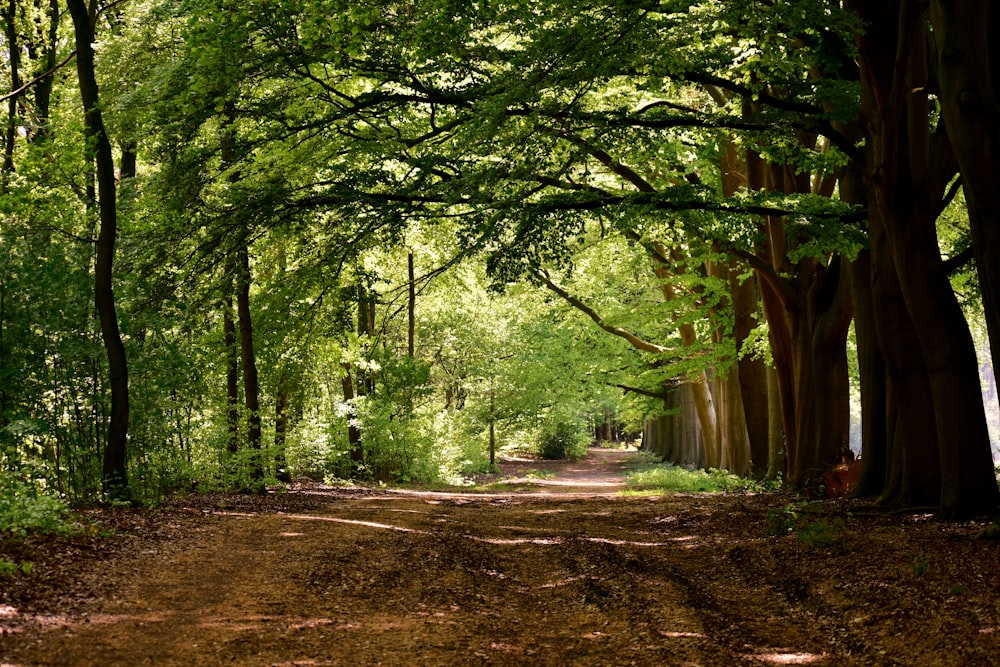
<point x="775" y="438"/>
<point x="752" y="373"/>
<point x="832" y="312"/>
<point x="355" y="448"/>
<point x="807" y="307"/>
<point x="701" y="390"/>
<point x="493" y="433"/>
<point x="411" y="306"/>
<point x="115" y="452"/>
<point x="232" y="378"/>
<point x="281" y="434"/>
<point x="967" y="34"/>
<point x="12" y="49"/>
<point x="251" y="383"/>
<point x="910" y="168"/>
<point x="914" y="465"/>
<point x="872" y="372"/>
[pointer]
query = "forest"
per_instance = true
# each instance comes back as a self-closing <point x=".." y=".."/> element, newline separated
<point x="250" y="242"/>
<point x="329" y="331"/>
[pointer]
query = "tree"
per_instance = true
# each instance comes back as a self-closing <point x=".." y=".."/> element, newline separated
<point x="116" y="446"/>
<point x="909" y="167"/>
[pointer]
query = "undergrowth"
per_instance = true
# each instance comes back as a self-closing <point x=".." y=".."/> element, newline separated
<point x="647" y="474"/>
<point x="26" y="511"/>
<point x="809" y="530"/>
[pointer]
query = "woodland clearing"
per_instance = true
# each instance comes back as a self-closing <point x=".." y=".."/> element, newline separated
<point x="544" y="563"/>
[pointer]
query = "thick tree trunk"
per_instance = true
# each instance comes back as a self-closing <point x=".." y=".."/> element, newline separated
<point x="967" y="34"/>
<point x="807" y="307"/>
<point x="872" y="372"/>
<point x="751" y="382"/>
<point x="910" y="168"/>
<point x="915" y="462"/>
<point x="832" y="312"/>
<point x="752" y="373"/>
<point x="701" y="390"/>
<point x="116" y="447"/>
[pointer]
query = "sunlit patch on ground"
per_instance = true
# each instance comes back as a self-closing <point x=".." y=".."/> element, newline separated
<point x="789" y="658"/>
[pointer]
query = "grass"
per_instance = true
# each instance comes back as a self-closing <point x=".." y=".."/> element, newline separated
<point x="647" y="475"/>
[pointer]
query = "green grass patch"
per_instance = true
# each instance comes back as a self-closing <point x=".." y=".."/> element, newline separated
<point x="646" y="475"/>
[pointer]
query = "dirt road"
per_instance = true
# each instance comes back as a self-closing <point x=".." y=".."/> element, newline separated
<point x="562" y="573"/>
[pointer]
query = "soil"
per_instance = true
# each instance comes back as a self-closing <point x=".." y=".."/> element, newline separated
<point x="547" y="568"/>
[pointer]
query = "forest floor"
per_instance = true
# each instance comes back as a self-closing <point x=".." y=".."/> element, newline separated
<point x="547" y="568"/>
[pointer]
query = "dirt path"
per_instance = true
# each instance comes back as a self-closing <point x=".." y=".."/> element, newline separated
<point x="527" y="576"/>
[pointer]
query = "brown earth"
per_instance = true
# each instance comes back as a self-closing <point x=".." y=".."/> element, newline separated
<point x="549" y="570"/>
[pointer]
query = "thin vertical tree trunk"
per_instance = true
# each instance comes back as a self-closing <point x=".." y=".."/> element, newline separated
<point x="493" y="433"/>
<point x="232" y="377"/>
<point x="411" y="306"/>
<point x="251" y="384"/>
<point x="115" y="451"/>
<point x="281" y="434"/>
<point x="13" y="52"/>
<point x="355" y="446"/>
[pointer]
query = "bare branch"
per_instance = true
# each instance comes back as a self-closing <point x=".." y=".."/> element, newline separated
<point x="40" y="77"/>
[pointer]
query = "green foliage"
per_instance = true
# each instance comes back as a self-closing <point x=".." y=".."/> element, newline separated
<point x="25" y="511"/>
<point x="360" y="130"/>
<point x="820" y="534"/>
<point x="649" y="474"/>
<point x="9" y="568"/>
<point x="781" y="520"/>
<point x="563" y="438"/>
<point x="814" y="533"/>
<point x="920" y="565"/>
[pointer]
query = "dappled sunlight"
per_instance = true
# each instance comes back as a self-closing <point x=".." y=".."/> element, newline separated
<point x="526" y="529"/>
<point x="547" y="540"/>
<point x="788" y="658"/>
<point x="521" y="540"/>
<point x="563" y="582"/>
<point x="356" y="522"/>
<point x="624" y="543"/>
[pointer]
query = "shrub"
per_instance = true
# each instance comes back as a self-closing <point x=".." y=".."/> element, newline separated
<point x="23" y="511"/>
<point x="562" y="440"/>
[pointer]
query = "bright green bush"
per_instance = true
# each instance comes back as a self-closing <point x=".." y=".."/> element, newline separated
<point x="647" y="474"/>
<point x="24" y="511"/>
<point x="563" y="439"/>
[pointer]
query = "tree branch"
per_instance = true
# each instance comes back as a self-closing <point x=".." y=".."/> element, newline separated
<point x="664" y="393"/>
<point x="636" y="341"/>
<point x="40" y="77"/>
